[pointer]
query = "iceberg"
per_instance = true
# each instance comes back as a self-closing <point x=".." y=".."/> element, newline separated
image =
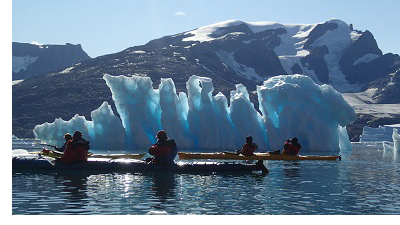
<point x="289" y="105"/>
<point x="396" y="140"/>
<point x="381" y="133"/>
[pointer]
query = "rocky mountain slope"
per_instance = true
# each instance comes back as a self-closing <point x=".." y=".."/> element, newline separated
<point x="229" y="52"/>
<point x="32" y="60"/>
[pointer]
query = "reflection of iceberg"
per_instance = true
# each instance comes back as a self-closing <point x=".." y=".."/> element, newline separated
<point x="289" y="106"/>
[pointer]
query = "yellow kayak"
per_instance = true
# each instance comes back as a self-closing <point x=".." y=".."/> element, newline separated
<point x="56" y="154"/>
<point x="256" y="156"/>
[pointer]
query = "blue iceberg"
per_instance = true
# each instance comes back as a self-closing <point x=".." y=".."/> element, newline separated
<point x="289" y="105"/>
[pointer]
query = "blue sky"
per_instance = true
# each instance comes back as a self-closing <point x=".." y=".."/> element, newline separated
<point x="109" y="26"/>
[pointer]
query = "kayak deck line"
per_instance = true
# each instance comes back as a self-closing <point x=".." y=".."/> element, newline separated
<point x="256" y="156"/>
<point x="55" y="154"/>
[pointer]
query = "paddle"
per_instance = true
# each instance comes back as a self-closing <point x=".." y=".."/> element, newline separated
<point x="48" y="145"/>
<point x="260" y="166"/>
<point x="232" y="153"/>
<point x="50" y="160"/>
<point x="149" y="161"/>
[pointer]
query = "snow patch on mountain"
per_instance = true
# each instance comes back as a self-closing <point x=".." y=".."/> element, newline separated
<point x="138" y="52"/>
<point x="337" y="41"/>
<point x="16" y="81"/>
<point x="366" y="58"/>
<point x="203" y="33"/>
<point x="228" y="60"/>
<point x="22" y="62"/>
<point x="291" y="49"/>
<point x="292" y="43"/>
<point x="363" y="103"/>
<point x="67" y="70"/>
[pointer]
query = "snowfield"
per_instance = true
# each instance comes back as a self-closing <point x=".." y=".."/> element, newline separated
<point x="362" y="103"/>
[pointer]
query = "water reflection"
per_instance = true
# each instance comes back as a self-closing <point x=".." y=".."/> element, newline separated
<point x="291" y="169"/>
<point x="365" y="182"/>
<point x="164" y="185"/>
<point x="74" y="190"/>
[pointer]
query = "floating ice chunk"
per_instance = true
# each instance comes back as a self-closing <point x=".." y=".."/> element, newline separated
<point x="381" y="133"/>
<point x="138" y="105"/>
<point x="20" y="152"/>
<point x="104" y="132"/>
<point x="296" y="106"/>
<point x="53" y="133"/>
<point x="174" y="113"/>
<point x="396" y="139"/>
<point x="157" y="213"/>
<point x="208" y="118"/>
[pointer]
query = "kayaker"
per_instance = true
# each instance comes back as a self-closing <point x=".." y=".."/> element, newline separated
<point x="67" y="137"/>
<point x="291" y="147"/>
<point x="165" y="150"/>
<point x="76" y="149"/>
<point x="249" y="147"/>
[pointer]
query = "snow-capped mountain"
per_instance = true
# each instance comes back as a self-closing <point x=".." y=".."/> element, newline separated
<point x="32" y="59"/>
<point x="230" y="53"/>
<point x="331" y="52"/>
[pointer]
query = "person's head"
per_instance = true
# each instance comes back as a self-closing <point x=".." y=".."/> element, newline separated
<point x="249" y="139"/>
<point x="77" y="135"/>
<point x="162" y="135"/>
<point x="295" y="140"/>
<point x="67" y="136"/>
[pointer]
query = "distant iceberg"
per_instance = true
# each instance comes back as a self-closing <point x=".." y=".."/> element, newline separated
<point x="396" y="139"/>
<point x="381" y="133"/>
<point x="289" y="105"/>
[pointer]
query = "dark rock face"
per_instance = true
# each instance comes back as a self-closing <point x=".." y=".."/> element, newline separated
<point x="47" y="58"/>
<point x="296" y="69"/>
<point x="234" y="51"/>
<point x="356" y="128"/>
<point x="319" y="31"/>
<point x="264" y="60"/>
<point x="388" y="88"/>
<point x="365" y="44"/>
<point x="375" y="69"/>
<point x="315" y="61"/>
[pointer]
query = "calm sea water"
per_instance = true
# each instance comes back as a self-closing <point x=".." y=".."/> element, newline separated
<point x="366" y="181"/>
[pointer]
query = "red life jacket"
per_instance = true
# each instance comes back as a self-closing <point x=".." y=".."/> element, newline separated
<point x="164" y="151"/>
<point x="248" y="149"/>
<point x="74" y="153"/>
<point x="291" y="149"/>
<point x="157" y="150"/>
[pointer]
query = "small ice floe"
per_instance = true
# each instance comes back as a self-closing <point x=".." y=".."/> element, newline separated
<point x="157" y="213"/>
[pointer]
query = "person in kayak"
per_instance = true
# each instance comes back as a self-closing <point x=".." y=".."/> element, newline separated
<point x="249" y="147"/>
<point x="164" y="150"/>
<point x="76" y="149"/>
<point x="291" y="147"/>
<point x="67" y="137"/>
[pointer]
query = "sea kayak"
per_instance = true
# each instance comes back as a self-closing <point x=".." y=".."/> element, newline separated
<point x="57" y="154"/>
<point x="131" y="165"/>
<point x="256" y="156"/>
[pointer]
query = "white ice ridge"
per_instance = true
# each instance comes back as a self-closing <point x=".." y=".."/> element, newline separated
<point x="381" y="133"/>
<point x="396" y="139"/>
<point x="290" y="105"/>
